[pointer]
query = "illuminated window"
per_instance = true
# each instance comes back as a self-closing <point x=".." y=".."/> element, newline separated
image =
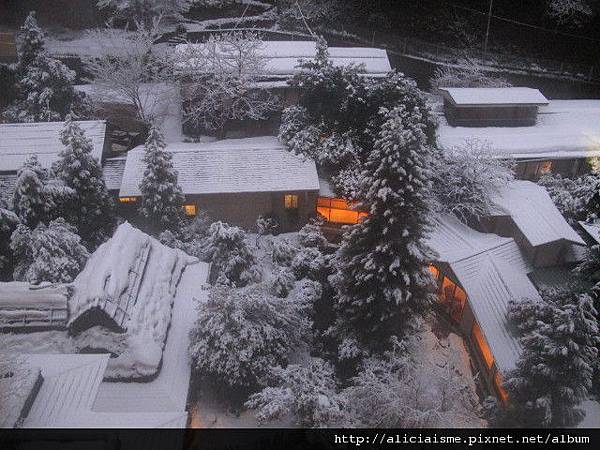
<point x="498" y="381"/>
<point x="337" y="210"/>
<point x="190" y="210"/>
<point x="434" y="271"/>
<point x="128" y="199"/>
<point x="482" y="347"/>
<point x="458" y="303"/>
<point x="290" y="201"/>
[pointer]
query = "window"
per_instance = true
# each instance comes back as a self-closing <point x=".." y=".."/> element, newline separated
<point x="480" y="343"/>
<point x="290" y="201"/>
<point x="458" y="303"/>
<point x="498" y="381"/>
<point x="434" y="271"/>
<point x="190" y="209"/>
<point x="533" y="170"/>
<point x="337" y="210"/>
<point x="127" y="199"/>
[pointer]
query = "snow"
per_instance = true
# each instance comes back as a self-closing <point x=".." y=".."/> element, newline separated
<point x="534" y="213"/>
<point x="506" y="96"/>
<point x="592" y="414"/>
<point x="20" y="140"/>
<point x="24" y="305"/>
<point x="282" y="57"/>
<point x="15" y="393"/>
<point x="564" y="129"/>
<point x="592" y="229"/>
<point x="229" y="166"/>
<point x="112" y="170"/>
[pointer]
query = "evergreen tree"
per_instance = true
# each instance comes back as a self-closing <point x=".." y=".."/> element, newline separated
<point x="29" y="200"/>
<point x="554" y="373"/>
<point x="92" y="211"/>
<point x="382" y="278"/>
<point x="44" y="85"/>
<point x="162" y="197"/>
<point x="8" y="223"/>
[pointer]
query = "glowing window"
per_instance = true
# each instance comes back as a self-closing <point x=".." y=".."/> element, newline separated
<point x="434" y="271"/>
<point x="482" y="347"/>
<point x="544" y="168"/>
<point x="337" y="210"/>
<point x="190" y="210"/>
<point x="498" y="381"/>
<point x="290" y="201"/>
<point x="128" y="199"/>
<point x="458" y="303"/>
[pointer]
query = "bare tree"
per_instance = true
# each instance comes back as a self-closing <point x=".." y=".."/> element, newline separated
<point x="131" y="69"/>
<point x="221" y="81"/>
<point x="144" y="11"/>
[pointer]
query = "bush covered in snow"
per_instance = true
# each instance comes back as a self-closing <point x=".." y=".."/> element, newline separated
<point x="575" y="198"/>
<point x="311" y="235"/>
<point x="283" y="282"/>
<point x="467" y="73"/>
<point x="52" y="253"/>
<point x="554" y="373"/>
<point x="307" y="292"/>
<point x="233" y="264"/>
<point x="465" y="178"/>
<point x="283" y="252"/>
<point x="309" y="262"/>
<point x="241" y="333"/>
<point x="8" y="224"/>
<point x="306" y="391"/>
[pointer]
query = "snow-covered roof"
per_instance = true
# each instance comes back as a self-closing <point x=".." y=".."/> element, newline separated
<point x="592" y="229"/>
<point x="564" y="129"/>
<point x="113" y="169"/>
<point x="534" y="213"/>
<point x="498" y="97"/>
<point x="492" y="271"/>
<point x="229" y="166"/>
<point x="282" y="57"/>
<point x="20" y="140"/>
<point x="24" y="305"/>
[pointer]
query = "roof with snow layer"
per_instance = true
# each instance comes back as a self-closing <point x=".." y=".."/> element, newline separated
<point x="564" y="129"/>
<point x="282" y="57"/>
<point x="497" y="97"/>
<point x="534" y="213"/>
<point x="492" y="271"/>
<point x="18" y="141"/>
<point x="229" y="166"/>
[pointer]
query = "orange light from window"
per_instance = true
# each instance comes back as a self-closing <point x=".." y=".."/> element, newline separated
<point x="290" y="201"/>
<point x="128" y="199"/>
<point x="190" y="210"/>
<point x="434" y="271"/>
<point x="484" y="350"/>
<point x="337" y="210"/>
<point x="545" y="167"/>
<point x="502" y="393"/>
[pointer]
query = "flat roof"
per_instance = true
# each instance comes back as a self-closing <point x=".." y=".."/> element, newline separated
<point x="229" y="166"/>
<point x="499" y="97"/>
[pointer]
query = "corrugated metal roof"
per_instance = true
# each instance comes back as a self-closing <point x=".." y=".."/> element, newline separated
<point x="534" y="213"/>
<point x="506" y="96"/>
<point x="229" y="166"/>
<point x="20" y="140"/>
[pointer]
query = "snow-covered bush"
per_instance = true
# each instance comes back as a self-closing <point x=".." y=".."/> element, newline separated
<point x="309" y="262"/>
<point x="8" y="224"/>
<point x="92" y="209"/>
<point x="29" y="200"/>
<point x="162" y="197"/>
<point x="575" y="198"/>
<point x="575" y="12"/>
<point x="311" y="235"/>
<point x="144" y="11"/>
<point x="44" y="85"/>
<point x="307" y="392"/>
<point x="307" y="292"/>
<point x="52" y="253"/>
<point x="264" y="226"/>
<point x="555" y="370"/>
<point x="282" y="283"/>
<point x="467" y="73"/>
<point x="233" y="264"/>
<point x="283" y="252"/>
<point x="241" y="333"/>
<point x="465" y="178"/>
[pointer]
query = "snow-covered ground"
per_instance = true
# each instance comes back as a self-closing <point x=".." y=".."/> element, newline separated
<point x="592" y="414"/>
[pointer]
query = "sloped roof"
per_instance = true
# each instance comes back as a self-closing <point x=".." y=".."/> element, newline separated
<point x="564" y="129"/>
<point x="282" y="57"/>
<point x="534" y="213"/>
<point x="492" y="271"/>
<point x="21" y="140"/>
<point x="113" y="169"/>
<point x="505" y="96"/>
<point x="229" y="166"/>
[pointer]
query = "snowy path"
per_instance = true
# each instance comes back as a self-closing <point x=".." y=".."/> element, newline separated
<point x="168" y="392"/>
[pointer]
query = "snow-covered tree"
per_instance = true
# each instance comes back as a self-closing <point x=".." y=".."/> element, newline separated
<point x="465" y="178"/>
<point x="44" y="85"/>
<point x="233" y="264"/>
<point x="76" y="167"/>
<point x="162" y="197"/>
<point x="283" y="252"/>
<point x="145" y="11"/>
<point x="131" y="69"/>
<point x="382" y="280"/>
<point x="576" y="198"/>
<point x="311" y="235"/>
<point x="29" y="200"/>
<point x="52" y="253"/>
<point x="574" y="12"/>
<point x="241" y="333"/>
<point x="311" y="263"/>
<point x="265" y="225"/>
<point x="465" y="73"/>
<point x="554" y="372"/>
<point x="282" y="282"/>
<point x="306" y="391"/>
<point x="220" y="81"/>
<point x="8" y="223"/>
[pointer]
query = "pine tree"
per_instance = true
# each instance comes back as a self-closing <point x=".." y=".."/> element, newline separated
<point x="92" y="211"/>
<point x="44" y="85"/>
<point x="554" y="373"/>
<point x="29" y="202"/>
<point x="382" y="279"/>
<point x="162" y="197"/>
<point x="8" y="223"/>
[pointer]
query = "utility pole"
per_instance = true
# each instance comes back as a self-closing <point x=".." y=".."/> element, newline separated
<point x="487" y="30"/>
